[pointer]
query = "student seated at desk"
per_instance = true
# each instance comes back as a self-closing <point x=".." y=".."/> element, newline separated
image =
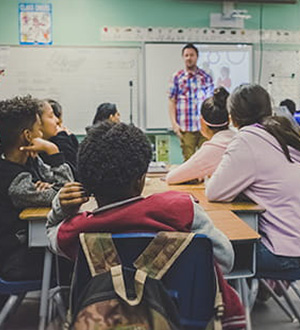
<point x="112" y="163"/>
<point x="214" y="126"/>
<point x="53" y="130"/>
<point x="105" y="111"/>
<point x="25" y="181"/>
<point x="263" y="162"/>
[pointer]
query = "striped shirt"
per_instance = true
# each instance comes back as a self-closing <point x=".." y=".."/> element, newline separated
<point x="189" y="91"/>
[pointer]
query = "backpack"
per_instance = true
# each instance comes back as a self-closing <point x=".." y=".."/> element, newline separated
<point x="123" y="298"/>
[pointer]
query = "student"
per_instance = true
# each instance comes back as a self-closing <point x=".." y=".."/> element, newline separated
<point x="287" y="109"/>
<point x="214" y="126"/>
<point x="25" y="181"/>
<point x="290" y="104"/>
<point x="263" y="162"/>
<point x="112" y="162"/>
<point x="107" y="111"/>
<point x="53" y="130"/>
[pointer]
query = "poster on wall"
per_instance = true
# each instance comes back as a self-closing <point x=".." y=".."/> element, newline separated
<point x="35" y="23"/>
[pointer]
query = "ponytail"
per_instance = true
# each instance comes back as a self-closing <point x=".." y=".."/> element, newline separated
<point x="283" y="132"/>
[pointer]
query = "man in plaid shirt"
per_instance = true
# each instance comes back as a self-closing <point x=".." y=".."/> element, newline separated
<point x="189" y="88"/>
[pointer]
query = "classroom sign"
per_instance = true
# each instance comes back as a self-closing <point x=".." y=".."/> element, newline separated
<point x="35" y="23"/>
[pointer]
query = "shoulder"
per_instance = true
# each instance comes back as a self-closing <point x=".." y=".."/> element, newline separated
<point x="204" y="75"/>
<point x="174" y="199"/>
<point x="178" y="74"/>
<point x="9" y="171"/>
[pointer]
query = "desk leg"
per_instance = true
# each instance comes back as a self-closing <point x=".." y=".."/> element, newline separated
<point x="45" y="289"/>
<point x="245" y="300"/>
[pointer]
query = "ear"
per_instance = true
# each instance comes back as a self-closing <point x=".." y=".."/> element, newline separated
<point x="140" y="183"/>
<point x="27" y="135"/>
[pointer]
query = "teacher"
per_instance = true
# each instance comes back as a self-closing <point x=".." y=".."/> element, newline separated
<point x="189" y="88"/>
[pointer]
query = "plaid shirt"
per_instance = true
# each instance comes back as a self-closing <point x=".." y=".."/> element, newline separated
<point x="189" y="91"/>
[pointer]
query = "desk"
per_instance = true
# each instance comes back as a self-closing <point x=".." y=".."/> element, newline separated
<point x="226" y="217"/>
<point x="239" y="233"/>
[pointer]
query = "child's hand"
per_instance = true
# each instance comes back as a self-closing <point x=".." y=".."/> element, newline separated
<point x="40" y="185"/>
<point x="71" y="196"/>
<point x="40" y="145"/>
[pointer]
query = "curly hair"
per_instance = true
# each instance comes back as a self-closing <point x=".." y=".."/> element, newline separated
<point x="112" y="157"/>
<point x="16" y="115"/>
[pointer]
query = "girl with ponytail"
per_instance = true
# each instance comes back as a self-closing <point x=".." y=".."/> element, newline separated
<point x="263" y="162"/>
<point x="214" y="126"/>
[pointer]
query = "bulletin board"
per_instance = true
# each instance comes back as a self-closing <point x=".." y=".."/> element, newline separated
<point x="80" y="78"/>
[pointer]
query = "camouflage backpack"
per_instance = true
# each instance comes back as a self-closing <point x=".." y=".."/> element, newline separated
<point x="128" y="299"/>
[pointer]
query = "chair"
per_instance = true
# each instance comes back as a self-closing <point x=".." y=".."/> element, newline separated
<point x="16" y="291"/>
<point x="280" y="276"/>
<point x="190" y="280"/>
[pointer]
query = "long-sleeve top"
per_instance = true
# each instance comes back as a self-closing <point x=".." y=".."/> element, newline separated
<point x="204" y="161"/>
<point x="18" y="191"/>
<point x="168" y="211"/>
<point x="68" y="145"/>
<point x="255" y="164"/>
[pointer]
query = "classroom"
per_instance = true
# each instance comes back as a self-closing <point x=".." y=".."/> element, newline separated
<point x="124" y="53"/>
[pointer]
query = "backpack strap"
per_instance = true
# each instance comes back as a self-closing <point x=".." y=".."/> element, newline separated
<point x="100" y="252"/>
<point x="119" y="286"/>
<point x="162" y="252"/>
<point x="219" y="304"/>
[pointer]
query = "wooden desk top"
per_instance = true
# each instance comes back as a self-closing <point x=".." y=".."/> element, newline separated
<point x="35" y="213"/>
<point x="156" y="185"/>
<point x="232" y="226"/>
<point x="229" y="223"/>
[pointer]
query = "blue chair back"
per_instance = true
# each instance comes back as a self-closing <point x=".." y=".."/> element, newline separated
<point x="190" y="280"/>
<point x="18" y="287"/>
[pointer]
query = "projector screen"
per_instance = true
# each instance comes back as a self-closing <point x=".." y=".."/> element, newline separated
<point x="229" y="66"/>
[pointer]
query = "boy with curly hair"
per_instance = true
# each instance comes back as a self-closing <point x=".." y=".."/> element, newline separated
<point x="25" y="181"/>
<point x="112" y="163"/>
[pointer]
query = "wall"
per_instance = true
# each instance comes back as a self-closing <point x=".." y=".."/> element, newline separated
<point x="78" y="22"/>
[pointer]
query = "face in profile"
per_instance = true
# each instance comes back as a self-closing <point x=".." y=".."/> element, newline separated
<point x="49" y="122"/>
<point x="190" y="58"/>
<point x="115" y="118"/>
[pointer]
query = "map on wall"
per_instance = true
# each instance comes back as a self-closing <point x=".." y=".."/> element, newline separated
<point x="35" y="23"/>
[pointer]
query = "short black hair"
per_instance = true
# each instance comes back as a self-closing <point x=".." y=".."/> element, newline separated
<point x="111" y="157"/>
<point x="290" y="104"/>
<point x="104" y="111"/>
<point x="56" y="107"/>
<point x="16" y="115"/>
<point x="190" y="46"/>
<point x="214" y="111"/>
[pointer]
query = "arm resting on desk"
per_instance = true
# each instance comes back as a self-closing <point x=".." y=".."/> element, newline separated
<point x="222" y="247"/>
<point x="235" y="173"/>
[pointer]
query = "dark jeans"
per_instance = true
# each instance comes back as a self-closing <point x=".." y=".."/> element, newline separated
<point x="266" y="261"/>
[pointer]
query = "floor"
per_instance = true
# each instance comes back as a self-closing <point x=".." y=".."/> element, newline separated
<point x="265" y="316"/>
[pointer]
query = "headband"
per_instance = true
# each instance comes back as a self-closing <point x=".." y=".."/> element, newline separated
<point x="215" y="125"/>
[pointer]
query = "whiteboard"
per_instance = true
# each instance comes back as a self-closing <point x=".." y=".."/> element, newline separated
<point x="280" y="74"/>
<point x="162" y="60"/>
<point x="79" y="78"/>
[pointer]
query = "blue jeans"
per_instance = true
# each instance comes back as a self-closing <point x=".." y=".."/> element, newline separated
<point x="267" y="261"/>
